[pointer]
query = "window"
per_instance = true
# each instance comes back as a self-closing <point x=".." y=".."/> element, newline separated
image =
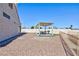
<point x="11" y="5"/>
<point x="5" y="15"/>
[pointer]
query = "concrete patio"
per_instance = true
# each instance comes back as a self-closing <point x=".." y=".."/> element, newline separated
<point x="31" y="45"/>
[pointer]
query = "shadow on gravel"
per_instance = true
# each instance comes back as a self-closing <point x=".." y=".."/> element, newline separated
<point x="7" y="41"/>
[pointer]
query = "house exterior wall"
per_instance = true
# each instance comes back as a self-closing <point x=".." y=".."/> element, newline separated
<point x="8" y="27"/>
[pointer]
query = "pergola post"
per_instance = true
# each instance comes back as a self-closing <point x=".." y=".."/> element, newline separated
<point x="52" y="30"/>
<point x="39" y="29"/>
<point x="45" y="29"/>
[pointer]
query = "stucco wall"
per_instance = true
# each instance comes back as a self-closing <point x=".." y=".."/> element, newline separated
<point x="55" y="31"/>
<point x="8" y="27"/>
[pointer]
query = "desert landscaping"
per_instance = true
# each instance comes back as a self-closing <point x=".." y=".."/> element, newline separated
<point x="32" y="45"/>
<point x="40" y="30"/>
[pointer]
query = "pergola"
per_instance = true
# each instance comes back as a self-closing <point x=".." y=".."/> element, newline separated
<point x="46" y="31"/>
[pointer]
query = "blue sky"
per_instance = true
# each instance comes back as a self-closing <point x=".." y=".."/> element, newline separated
<point x="62" y="15"/>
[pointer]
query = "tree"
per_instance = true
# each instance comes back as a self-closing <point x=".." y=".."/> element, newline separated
<point x="66" y="28"/>
<point x="32" y="27"/>
<point x="40" y="27"/>
<point x="71" y="26"/>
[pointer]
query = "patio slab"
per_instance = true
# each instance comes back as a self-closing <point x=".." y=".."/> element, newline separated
<point x="31" y="45"/>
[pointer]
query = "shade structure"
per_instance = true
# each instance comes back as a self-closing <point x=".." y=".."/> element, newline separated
<point x="45" y="31"/>
<point x="44" y="24"/>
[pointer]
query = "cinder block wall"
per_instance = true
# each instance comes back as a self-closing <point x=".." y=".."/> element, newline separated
<point x="8" y="27"/>
<point x="55" y="31"/>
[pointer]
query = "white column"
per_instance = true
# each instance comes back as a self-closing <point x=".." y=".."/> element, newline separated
<point x="39" y="29"/>
<point x="52" y="30"/>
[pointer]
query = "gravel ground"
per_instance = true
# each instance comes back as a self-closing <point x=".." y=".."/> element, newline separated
<point x="31" y="45"/>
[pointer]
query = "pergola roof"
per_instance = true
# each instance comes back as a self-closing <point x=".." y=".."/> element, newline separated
<point x="44" y="23"/>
